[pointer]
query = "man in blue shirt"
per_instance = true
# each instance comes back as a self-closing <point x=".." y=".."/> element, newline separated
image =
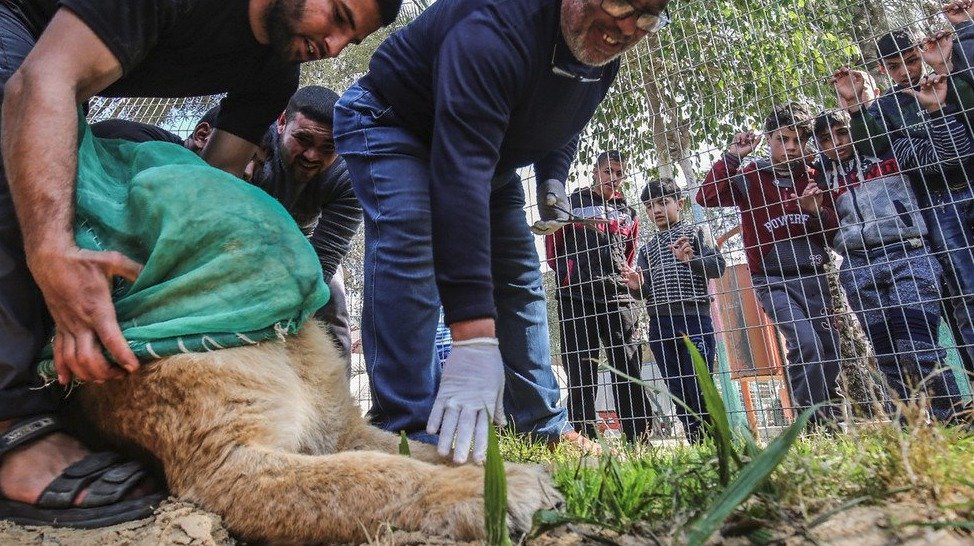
<point x="452" y="105"/>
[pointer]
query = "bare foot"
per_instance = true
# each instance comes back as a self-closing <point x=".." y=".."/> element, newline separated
<point x="578" y="441"/>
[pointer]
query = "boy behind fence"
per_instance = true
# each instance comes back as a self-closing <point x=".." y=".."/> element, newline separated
<point x="785" y="246"/>
<point x="891" y="278"/>
<point x="671" y="275"/>
<point x="945" y="194"/>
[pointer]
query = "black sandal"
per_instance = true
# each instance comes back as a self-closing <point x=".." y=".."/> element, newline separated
<point x="107" y="477"/>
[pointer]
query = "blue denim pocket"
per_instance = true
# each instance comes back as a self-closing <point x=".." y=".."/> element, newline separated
<point x="361" y="101"/>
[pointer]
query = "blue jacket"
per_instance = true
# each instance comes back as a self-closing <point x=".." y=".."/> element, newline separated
<point x="474" y="79"/>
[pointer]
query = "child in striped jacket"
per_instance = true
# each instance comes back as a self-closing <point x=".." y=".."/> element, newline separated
<point x="671" y="276"/>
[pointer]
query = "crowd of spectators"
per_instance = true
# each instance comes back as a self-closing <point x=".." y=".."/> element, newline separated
<point x="878" y="187"/>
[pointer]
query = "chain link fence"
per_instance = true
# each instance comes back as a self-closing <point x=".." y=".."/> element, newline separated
<point x="860" y="294"/>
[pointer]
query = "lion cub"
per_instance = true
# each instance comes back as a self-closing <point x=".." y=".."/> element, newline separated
<point x="269" y="438"/>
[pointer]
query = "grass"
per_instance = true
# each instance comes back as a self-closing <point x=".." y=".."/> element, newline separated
<point x="684" y="494"/>
<point x="667" y="491"/>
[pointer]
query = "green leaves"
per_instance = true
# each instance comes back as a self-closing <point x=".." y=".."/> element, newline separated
<point x="717" y="423"/>
<point x="751" y="475"/>
<point x="719" y="70"/>
<point x="403" y="443"/>
<point x="495" y="493"/>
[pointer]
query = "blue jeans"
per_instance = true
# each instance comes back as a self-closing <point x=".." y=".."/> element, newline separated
<point x="950" y="219"/>
<point x="674" y="361"/>
<point x="896" y="294"/>
<point x="25" y="325"/>
<point x="389" y="167"/>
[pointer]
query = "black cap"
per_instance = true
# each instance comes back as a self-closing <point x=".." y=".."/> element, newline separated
<point x="389" y="10"/>
<point x="894" y="43"/>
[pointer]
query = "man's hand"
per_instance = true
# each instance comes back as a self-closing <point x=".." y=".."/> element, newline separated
<point x="811" y="199"/>
<point x="553" y="202"/>
<point x="682" y="249"/>
<point x="937" y="51"/>
<point x="76" y="285"/>
<point x="471" y="394"/>
<point x="743" y="144"/>
<point x="931" y="92"/>
<point x="959" y="11"/>
<point x="553" y="207"/>
<point x="850" y="87"/>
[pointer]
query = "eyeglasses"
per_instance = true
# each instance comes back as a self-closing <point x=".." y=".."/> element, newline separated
<point x="645" y="21"/>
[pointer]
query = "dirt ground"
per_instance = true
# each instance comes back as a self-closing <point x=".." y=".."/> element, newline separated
<point x="179" y="523"/>
<point x="174" y="523"/>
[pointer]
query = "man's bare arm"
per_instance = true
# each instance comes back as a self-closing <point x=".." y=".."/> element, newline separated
<point x="229" y="152"/>
<point x="39" y="140"/>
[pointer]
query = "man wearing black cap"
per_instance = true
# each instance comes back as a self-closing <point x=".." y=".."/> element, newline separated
<point x="945" y="196"/>
<point x="56" y="55"/>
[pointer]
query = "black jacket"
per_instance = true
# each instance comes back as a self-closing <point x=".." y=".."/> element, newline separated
<point x="325" y="208"/>
<point x="588" y="260"/>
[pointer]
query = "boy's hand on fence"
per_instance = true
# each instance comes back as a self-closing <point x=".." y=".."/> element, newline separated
<point x="682" y="249"/>
<point x="633" y="277"/>
<point x="850" y="88"/>
<point x="743" y="144"/>
<point x="811" y="199"/>
<point x="936" y="51"/>
<point x="931" y="92"/>
<point x="959" y="11"/>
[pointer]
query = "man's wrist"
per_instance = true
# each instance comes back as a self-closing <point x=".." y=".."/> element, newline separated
<point x="51" y="246"/>
<point x="473" y="328"/>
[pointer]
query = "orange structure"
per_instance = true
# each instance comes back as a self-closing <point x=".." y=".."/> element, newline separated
<point x="754" y="349"/>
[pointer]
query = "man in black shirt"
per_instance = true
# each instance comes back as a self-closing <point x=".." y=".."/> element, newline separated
<point x="77" y="49"/>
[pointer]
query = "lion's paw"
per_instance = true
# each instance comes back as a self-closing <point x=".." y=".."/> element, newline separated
<point x="529" y="489"/>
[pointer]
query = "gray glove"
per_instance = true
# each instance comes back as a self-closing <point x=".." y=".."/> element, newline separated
<point x="553" y="202"/>
<point x="553" y="207"/>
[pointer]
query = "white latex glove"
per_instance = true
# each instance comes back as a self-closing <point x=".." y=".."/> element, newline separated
<point x="471" y="388"/>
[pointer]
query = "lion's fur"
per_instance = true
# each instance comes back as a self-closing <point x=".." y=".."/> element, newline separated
<point x="270" y="438"/>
